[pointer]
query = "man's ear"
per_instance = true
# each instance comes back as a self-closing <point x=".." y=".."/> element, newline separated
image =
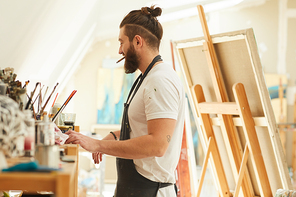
<point x="138" y="41"/>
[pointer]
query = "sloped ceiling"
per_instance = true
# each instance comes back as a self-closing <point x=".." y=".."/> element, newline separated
<point x="39" y="38"/>
<point x="45" y="40"/>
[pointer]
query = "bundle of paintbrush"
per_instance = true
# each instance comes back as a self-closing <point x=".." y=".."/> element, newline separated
<point x="38" y="111"/>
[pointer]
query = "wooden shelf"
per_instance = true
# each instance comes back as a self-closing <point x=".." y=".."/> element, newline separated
<point x="63" y="183"/>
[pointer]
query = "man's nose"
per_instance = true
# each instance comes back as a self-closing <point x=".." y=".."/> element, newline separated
<point x="120" y="50"/>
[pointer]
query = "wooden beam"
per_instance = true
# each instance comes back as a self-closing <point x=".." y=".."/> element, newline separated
<point x="208" y="133"/>
<point x="205" y="164"/>
<point x="242" y="171"/>
<point x="252" y="139"/>
<point x="217" y="80"/>
<point x="259" y="121"/>
<point x="218" y="108"/>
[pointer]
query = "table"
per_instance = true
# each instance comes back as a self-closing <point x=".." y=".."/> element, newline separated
<point x="63" y="183"/>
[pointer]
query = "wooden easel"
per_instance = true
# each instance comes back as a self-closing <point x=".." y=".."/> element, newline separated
<point x="224" y="110"/>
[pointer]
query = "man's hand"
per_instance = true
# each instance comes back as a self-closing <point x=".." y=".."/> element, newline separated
<point x="97" y="157"/>
<point x="85" y="142"/>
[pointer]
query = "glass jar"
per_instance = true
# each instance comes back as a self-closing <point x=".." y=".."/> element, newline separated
<point x="29" y="145"/>
<point x="45" y="132"/>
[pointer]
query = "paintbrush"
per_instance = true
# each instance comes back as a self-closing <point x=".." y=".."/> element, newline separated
<point x="34" y="114"/>
<point x="45" y="93"/>
<point x="37" y="96"/>
<point x="40" y="97"/>
<point x="42" y="109"/>
<point x="55" y="99"/>
<point x="32" y="94"/>
<point x="71" y="96"/>
<point x="120" y="60"/>
<point x="64" y="105"/>
<point x="26" y="83"/>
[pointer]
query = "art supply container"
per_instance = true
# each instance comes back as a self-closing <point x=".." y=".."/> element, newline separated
<point x="3" y="88"/>
<point x="68" y="119"/>
<point x="29" y="145"/>
<point x="44" y="131"/>
<point x="48" y="155"/>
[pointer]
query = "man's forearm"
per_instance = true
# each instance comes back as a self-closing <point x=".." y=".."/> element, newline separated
<point x="154" y="144"/>
<point x="136" y="148"/>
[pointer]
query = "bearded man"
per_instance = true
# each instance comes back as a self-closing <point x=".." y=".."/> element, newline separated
<point x="150" y="138"/>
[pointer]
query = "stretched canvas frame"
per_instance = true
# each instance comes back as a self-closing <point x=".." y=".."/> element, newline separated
<point x="239" y="62"/>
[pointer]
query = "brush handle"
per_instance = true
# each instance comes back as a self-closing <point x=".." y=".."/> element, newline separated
<point x="42" y="109"/>
<point x="28" y="103"/>
<point x="32" y="94"/>
<point x="64" y="105"/>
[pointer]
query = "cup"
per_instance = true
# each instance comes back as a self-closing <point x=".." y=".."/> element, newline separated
<point x="48" y="155"/>
<point x="68" y="119"/>
<point x="44" y="133"/>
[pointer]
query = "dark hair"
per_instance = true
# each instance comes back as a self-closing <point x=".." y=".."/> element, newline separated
<point x="144" y="23"/>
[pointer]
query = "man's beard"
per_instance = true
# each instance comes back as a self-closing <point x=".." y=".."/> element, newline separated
<point x="131" y="63"/>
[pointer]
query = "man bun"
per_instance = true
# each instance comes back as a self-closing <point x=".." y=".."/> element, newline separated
<point x="143" y="22"/>
<point x="154" y="12"/>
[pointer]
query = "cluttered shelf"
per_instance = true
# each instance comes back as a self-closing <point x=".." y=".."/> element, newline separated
<point x="30" y="139"/>
<point x="63" y="182"/>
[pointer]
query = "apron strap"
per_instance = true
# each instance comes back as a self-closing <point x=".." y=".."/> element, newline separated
<point x="133" y="87"/>
<point x="141" y="77"/>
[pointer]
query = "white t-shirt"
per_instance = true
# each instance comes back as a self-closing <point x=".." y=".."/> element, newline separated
<point x="161" y="95"/>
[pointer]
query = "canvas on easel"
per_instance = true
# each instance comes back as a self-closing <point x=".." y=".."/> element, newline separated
<point x="244" y="145"/>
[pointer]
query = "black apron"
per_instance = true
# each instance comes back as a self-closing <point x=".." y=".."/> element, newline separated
<point x="130" y="182"/>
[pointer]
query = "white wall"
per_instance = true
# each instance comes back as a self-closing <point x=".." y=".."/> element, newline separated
<point x="84" y="104"/>
<point x="44" y="39"/>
